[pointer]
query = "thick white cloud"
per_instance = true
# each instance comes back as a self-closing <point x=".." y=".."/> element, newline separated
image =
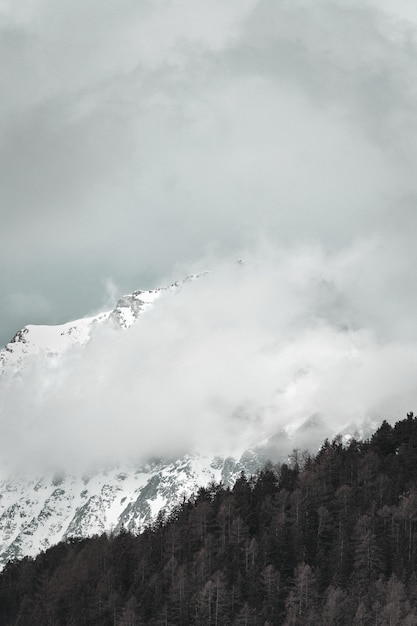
<point x="228" y="360"/>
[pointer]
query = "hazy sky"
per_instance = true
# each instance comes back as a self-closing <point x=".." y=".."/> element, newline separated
<point x="142" y="140"/>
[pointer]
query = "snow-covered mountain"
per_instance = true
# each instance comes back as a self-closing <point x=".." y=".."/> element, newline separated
<point x="53" y="341"/>
<point x="36" y="513"/>
<point x="39" y="511"/>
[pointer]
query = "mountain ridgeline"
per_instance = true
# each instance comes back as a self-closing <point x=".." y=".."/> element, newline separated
<point x="328" y="540"/>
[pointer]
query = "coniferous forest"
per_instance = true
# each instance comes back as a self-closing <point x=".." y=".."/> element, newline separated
<point x="326" y="540"/>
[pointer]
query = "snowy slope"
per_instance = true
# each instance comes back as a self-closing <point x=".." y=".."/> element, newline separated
<point x="36" y="514"/>
<point x="52" y="341"/>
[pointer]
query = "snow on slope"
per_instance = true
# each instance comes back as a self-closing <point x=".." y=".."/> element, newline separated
<point x="38" y="513"/>
<point x="35" y="514"/>
<point x="52" y="341"/>
<point x="48" y="340"/>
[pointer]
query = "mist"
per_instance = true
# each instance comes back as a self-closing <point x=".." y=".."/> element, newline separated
<point x="226" y="361"/>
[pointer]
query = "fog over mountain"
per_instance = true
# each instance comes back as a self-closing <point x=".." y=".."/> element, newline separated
<point x="219" y="365"/>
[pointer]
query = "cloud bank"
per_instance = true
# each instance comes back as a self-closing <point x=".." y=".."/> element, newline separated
<point x="223" y="363"/>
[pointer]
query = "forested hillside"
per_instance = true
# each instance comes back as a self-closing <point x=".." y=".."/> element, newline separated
<point x="326" y="540"/>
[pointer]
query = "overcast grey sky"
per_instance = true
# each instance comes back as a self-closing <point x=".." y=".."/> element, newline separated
<point x="143" y="140"/>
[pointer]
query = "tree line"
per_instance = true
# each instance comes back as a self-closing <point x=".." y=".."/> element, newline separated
<point x="329" y="539"/>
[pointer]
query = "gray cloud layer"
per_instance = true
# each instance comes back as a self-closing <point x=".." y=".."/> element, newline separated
<point x="137" y="138"/>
